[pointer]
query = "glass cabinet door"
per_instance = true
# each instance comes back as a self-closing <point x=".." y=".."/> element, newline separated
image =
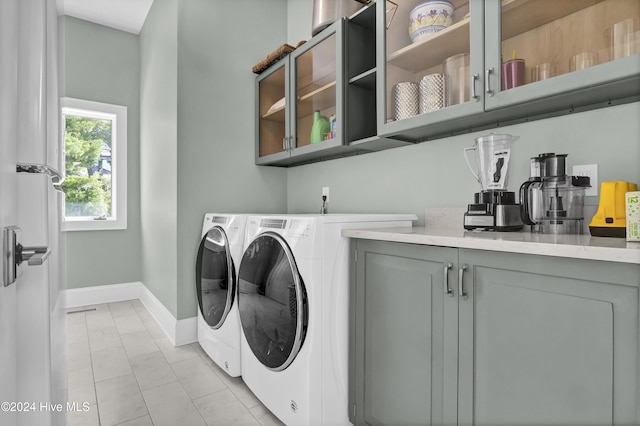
<point x="433" y="66"/>
<point x="316" y="121"/>
<point x="272" y="129"/>
<point x="547" y="47"/>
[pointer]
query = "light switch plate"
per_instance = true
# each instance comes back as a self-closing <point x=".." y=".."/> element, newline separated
<point x="590" y="170"/>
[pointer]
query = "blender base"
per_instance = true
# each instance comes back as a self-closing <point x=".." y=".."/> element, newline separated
<point x="493" y="216"/>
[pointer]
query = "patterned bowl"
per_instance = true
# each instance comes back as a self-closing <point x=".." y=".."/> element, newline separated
<point x="428" y="18"/>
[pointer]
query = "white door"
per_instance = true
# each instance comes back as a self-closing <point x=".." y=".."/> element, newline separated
<point x="8" y="199"/>
<point x="32" y="339"/>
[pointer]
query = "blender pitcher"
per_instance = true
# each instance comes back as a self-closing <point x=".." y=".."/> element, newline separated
<point x="493" y="153"/>
<point x="494" y="207"/>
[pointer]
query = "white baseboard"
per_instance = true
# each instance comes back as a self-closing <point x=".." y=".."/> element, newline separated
<point x="179" y="332"/>
<point x="76" y="297"/>
<point x="186" y="331"/>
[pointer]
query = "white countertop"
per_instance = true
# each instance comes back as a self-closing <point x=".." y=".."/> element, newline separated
<point x="572" y="246"/>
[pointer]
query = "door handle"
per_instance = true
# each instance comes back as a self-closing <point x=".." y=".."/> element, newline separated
<point x="35" y="256"/>
<point x="14" y="254"/>
<point x="462" y="293"/>
<point x="447" y="290"/>
<point x="488" y="73"/>
<point x="56" y="177"/>
<point x="474" y="95"/>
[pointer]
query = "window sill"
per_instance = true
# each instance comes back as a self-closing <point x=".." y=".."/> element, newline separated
<point x="94" y="225"/>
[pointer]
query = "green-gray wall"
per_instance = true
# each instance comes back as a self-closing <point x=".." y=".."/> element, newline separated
<point x="159" y="150"/>
<point x="299" y="19"/>
<point x="218" y="44"/>
<point x="102" y="64"/>
<point x="197" y="131"/>
<point x="434" y="174"/>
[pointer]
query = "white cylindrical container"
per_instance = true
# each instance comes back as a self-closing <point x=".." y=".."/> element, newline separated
<point x="432" y="93"/>
<point x="406" y="97"/>
<point x="456" y="71"/>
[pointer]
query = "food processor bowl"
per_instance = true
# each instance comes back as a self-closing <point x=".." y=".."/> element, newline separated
<point x="563" y="206"/>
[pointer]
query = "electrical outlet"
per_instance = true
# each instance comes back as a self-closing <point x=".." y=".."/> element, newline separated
<point x="590" y="170"/>
<point x="325" y="192"/>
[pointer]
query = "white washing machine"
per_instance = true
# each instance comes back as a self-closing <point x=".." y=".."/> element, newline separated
<point x="293" y="291"/>
<point x="217" y="263"/>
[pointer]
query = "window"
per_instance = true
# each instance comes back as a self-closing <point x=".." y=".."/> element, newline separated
<point x="95" y="147"/>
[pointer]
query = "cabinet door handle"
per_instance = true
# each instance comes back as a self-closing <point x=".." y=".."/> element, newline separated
<point x="488" y="81"/>
<point x="284" y="144"/>
<point x="462" y="293"/>
<point x="474" y="95"/>
<point x="447" y="290"/>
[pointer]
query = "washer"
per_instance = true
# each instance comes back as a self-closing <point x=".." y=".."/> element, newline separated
<point x="293" y="290"/>
<point x="217" y="263"/>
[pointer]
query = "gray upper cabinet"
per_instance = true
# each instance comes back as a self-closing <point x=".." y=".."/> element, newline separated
<point x="305" y="87"/>
<point x="335" y="74"/>
<point x="389" y="82"/>
<point x="272" y="114"/>
<point x="502" y="61"/>
<point x="468" y="337"/>
<point x="443" y="70"/>
<point x="575" y="53"/>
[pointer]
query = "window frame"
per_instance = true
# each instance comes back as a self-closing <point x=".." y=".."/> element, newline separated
<point x="118" y="116"/>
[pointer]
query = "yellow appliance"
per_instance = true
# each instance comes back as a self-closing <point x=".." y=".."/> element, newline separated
<point x="610" y="220"/>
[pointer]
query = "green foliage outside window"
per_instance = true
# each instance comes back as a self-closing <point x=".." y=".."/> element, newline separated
<point x="87" y="186"/>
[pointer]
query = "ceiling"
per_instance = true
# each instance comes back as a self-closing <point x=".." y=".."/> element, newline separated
<point x="125" y="15"/>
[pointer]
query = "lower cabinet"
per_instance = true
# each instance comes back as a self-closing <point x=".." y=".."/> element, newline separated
<point x="397" y="353"/>
<point x="450" y="336"/>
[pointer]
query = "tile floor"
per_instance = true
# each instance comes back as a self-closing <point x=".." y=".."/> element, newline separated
<point x="126" y="369"/>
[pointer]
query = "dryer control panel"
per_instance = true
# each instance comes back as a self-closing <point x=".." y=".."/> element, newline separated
<point x="298" y="231"/>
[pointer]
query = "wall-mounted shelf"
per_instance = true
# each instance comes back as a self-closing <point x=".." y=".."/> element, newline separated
<point x="433" y="50"/>
<point x="319" y="99"/>
<point x="537" y="13"/>
<point x="275" y="115"/>
<point x="366" y="80"/>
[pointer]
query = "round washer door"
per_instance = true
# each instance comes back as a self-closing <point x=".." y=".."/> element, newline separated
<point x="272" y="301"/>
<point x="215" y="277"/>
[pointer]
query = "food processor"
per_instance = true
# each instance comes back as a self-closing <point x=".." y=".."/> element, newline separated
<point x="551" y="201"/>
<point x="494" y="207"/>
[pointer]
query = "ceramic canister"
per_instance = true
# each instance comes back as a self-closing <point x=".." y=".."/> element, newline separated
<point x="428" y="18"/>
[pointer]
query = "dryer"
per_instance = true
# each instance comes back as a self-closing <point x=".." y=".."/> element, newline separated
<point x="217" y="262"/>
<point x="293" y="290"/>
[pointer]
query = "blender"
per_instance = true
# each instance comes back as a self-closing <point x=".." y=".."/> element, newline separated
<point x="494" y="207"/>
<point x="551" y="201"/>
